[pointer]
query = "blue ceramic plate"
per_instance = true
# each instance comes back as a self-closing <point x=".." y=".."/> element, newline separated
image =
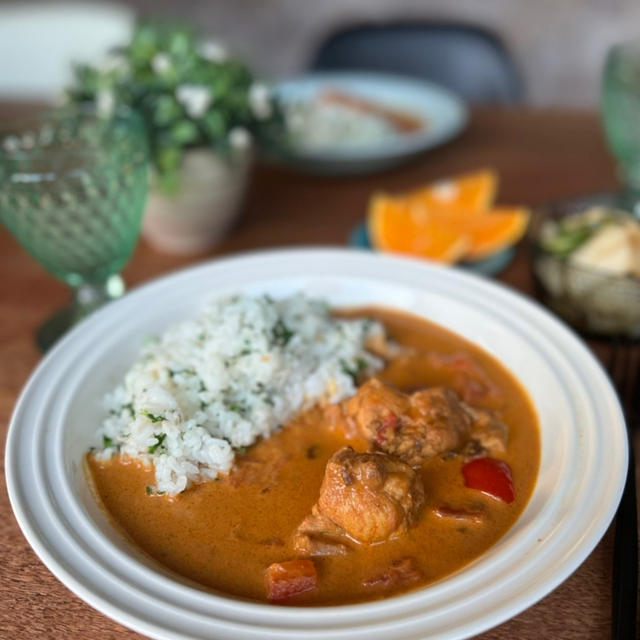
<point x="444" y="115"/>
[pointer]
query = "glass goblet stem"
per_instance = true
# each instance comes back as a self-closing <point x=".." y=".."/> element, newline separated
<point x="87" y="297"/>
<point x="630" y="195"/>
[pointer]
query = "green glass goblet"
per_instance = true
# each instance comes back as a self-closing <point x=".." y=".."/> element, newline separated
<point x="621" y="117"/>
<point x="73" y="185"/>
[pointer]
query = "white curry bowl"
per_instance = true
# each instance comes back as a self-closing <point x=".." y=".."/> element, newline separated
<point x="583" y="453"/>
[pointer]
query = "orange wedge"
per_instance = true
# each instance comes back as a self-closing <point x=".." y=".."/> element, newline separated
<point x="392" y="227"/>
<point x="495" y="230"/>
<point x="460" y="226"/>
<point x="471" y="192"/>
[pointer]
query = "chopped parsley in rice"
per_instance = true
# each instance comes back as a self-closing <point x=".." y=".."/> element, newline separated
<point x="211" y="386"/>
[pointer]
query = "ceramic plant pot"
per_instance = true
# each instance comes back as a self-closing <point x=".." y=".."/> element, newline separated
<point x="197" y="217"/>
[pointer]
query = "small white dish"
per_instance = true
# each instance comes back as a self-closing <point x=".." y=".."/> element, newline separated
<point x="444" y="115"/>
<point x="582" y="471"/>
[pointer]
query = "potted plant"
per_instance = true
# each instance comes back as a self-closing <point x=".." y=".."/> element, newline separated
<point x="203" y="111"/>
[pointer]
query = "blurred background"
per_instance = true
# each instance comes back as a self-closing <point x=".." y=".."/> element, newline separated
<point x="557" y="45"/>
<point x="230" y="108"/>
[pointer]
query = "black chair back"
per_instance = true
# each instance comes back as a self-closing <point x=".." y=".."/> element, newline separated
<point x="469" y="60"/>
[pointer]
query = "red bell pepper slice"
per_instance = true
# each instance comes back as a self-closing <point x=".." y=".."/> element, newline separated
<point x="289" y="578"/>
<point x="490" y="476"/>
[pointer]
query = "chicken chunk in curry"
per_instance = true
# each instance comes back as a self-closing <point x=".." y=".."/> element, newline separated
<point x="418" y="426"/>
<point x="369" y="497"/>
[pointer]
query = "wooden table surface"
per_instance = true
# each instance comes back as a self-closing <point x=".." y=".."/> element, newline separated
<point x="540" y="155"/>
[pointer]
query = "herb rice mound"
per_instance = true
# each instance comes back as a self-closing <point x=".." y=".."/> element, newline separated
<point x="211" y="386"/>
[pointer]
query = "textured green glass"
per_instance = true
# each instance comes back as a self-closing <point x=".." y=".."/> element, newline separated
<point x="621" y="113"/>
<point x="72" y="191"/>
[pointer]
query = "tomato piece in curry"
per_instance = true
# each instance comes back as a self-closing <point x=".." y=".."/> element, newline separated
<point x="231" y="534"/>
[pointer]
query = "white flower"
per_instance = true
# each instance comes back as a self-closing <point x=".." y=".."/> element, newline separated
<point x="239" y="138"/>
<point x="260" y="101"/>
<point x="105" y="102"/>
<point x="11" y="144"/>
<point x="194" y="98"/>
<point x="212" y="51"/>
<point x="161" y="63"/>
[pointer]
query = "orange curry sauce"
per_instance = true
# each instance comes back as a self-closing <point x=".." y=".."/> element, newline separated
<point x="225" y="533"/>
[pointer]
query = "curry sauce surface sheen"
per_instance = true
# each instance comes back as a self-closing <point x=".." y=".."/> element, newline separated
<point x="225" y="533"/>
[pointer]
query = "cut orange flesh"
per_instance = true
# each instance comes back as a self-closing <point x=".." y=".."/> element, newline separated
<point x="470" y="192"/>
<point x="495" y="230"/>
<point x="392" y="227"/>
<point x="449" y="228"/>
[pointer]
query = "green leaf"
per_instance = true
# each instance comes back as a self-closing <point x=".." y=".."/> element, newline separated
<point x="566" y="242"/>
<point x="214" y="125"/>
<point x="159" y="440"/>
<point x="181" y="43"/>
<point x="188" y="371"/>
<point x="129" y="408"/>
<point x="355" y="370"/>
<point x="87" y="82"/>
<point x="184" y="132"/>
<point x="152" y="417"/>
<point x="168" y="158"/>
<point x="281" y="333"/>
<point x="165" y="110"/>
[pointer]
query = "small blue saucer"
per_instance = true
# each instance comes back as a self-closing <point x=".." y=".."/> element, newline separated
<point x="491" y="266"/>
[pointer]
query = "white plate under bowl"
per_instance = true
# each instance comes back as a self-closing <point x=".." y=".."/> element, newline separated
<point x="583" y="458"/>
<point x="443" y="112"/>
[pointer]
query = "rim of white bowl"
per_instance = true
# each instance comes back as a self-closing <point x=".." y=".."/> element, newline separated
<point x="553" y="536"/>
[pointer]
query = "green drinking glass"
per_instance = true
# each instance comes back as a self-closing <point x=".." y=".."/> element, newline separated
<point x="621" y="117"/>
<point x="73" y="184"/>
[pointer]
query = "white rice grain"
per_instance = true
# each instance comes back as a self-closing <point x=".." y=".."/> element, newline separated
<point x="211" y="386"/>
